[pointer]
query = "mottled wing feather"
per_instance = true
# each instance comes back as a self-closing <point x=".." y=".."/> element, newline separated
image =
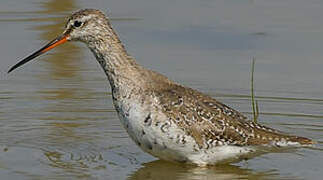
<point x="212" y="123"/>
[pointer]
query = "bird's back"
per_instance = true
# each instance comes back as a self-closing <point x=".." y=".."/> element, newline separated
<point x="212" y="123"/>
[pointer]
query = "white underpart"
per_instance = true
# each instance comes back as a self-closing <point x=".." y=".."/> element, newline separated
<point x="163" y="144"/>
<point x="284" y="143"/>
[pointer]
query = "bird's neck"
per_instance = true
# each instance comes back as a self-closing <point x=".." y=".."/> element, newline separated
<point x="124" y="74"/>
<point x="121" y="69"/>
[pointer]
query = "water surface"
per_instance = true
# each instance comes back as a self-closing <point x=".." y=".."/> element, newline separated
<point x="56" y="115"/>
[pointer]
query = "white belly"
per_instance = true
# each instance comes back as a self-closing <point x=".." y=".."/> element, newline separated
<point x="155" y="134"/>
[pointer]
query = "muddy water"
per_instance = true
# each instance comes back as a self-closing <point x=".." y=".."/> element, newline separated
<point x="56" y="116"/>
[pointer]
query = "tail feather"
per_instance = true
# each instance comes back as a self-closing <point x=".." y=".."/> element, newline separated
<point x="264" y="135"/>
<point x="301" y="140"/>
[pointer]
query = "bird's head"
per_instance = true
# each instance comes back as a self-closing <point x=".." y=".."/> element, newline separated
<point x="86" y="25"/>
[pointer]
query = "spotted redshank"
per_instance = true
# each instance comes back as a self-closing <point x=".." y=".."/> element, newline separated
<point x="164" y="118"/>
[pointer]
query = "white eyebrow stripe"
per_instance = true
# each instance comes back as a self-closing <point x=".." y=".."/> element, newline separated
<point x="82" y="19"/>
<point x="85" y="18"/>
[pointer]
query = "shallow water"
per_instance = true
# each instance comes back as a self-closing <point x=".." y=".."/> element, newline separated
<point x="56" y="116"/>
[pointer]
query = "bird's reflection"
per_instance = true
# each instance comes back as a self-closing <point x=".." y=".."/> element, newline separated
<point x="162" y="170"/>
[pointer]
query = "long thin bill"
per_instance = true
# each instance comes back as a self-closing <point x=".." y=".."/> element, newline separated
<point x="57" y="41"/>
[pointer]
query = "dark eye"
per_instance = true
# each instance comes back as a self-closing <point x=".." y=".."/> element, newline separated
<point x="77" y="23"/>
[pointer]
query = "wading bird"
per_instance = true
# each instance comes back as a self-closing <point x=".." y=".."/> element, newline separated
<point x="164" y="118"/>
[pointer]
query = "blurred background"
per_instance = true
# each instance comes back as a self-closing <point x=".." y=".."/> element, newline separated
<point x="57" y="120"/>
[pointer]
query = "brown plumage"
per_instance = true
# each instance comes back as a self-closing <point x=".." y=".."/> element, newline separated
<point x="212" y="123"/>
<point x="165" y="119"/>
